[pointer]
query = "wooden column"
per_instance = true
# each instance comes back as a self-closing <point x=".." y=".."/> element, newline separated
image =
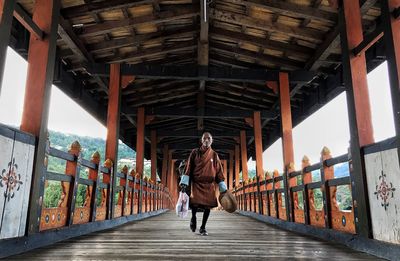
<point x="6" y="17"/>
<point x="392" y="46"/>
<point x="286" y="120"/>
<point x="237" y="165"/>
<point x="225" y="169"/>
<point x="114" y="108"/>
<point x="230" y="172"/>
<point x="140" y="150"/>
<point x="164" y="170"/>
<point x="243" y="147"/>
<point x="169" y="171"/>
<point x="154" y="156"/>
<point x="361" y="132"/>
<point x="41" y="60"/>
<point x="258" y="143"/>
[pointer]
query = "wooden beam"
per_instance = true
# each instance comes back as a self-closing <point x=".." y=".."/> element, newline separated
<point x="231" y="171"/>
<point x="209" y="113"/>
<point x="162" y="17"/>
<point x="237" y="19"/>
<point x="164" y="165"/>
<point x="150" y="52"/>
<point x="289" y="49"/>
<point x="194" y="72"/>
<point x="24" y="18"/>
<point x="139" y="39"/>
<point x="195" y="133"/>
<point x="140" y="151"/>
<point x="243" y="148"/>
<point x="41" y="60"/>
<point x="258" y="143"/>
<point x="257" y="56"/>
<point x="6" y="17"/>
<point x="286" y="120"/>
<point x="154" y="156"/>
<point x="292" y="10"/>
<point x="361" y="132"/>
<point x="98" y="7"/>
<point x="237" y="165"/>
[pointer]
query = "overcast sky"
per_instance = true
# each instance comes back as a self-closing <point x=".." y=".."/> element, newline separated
<point x="327" y="127"/>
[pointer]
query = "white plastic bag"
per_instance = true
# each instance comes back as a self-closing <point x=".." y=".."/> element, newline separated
<point x="182" y="206"/>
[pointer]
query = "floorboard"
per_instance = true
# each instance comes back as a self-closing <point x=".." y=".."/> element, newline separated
<point x="166" y="237"/>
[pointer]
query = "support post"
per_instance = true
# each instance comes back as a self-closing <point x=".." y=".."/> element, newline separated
<point x="41" y="60"/>
<point x="6" y="17"/>
<point x="230" y="174"/>
<point x="114" y="108"/>
<point x="361" y="132"/>
<point x="237" y="166"/>
<point x="243" y="146"/>
<point x="287" y="139"/>
<point x="154" y="156"/>
<point x="258" y="143"/>
<point x="140" y="151"/>
<point x="392" y="47"/>
<point x="164" y="170"/>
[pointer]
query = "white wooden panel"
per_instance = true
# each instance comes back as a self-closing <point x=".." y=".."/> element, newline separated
<point x="6" y="147"/>
<point x="16" y="206"/>
<point x="383" y="176"/>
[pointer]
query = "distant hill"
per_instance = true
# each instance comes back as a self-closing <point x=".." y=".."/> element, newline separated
<point x="89" y="145"/>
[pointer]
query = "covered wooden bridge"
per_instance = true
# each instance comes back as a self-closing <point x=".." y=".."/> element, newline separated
<point x="158" y="74"/>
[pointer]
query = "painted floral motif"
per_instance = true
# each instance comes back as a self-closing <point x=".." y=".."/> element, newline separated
<point x="384" y="191"/>
<point x="11" y="180"/>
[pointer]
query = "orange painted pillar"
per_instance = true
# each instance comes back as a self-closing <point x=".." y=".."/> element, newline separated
<point x="258" y="143"/>
<point x="41" y="60"/>
<point x="114" y="107"/>
<point x="230" y="175"/>
<point x="225" y="169"/>
<point x="154" y="156"/>
<point x="286" y="120"/>
<point x="140" y="150"/>
<point x="6" y="17"/>
<point x="164" y="170"/>
<point x="243" y="147"/>
<point x="359" y="111"/>
<point x="237" y="166"/>
<point x="287" y="141"/>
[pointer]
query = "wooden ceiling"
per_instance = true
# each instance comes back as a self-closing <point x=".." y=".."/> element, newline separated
<point x="267" y="35"/>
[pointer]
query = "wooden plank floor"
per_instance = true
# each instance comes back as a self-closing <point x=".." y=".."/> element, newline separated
<point x="165" y="237"/>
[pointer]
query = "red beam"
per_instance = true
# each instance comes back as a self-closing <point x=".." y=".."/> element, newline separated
<point x="286" y="120"/>
<point x="243" y="146"/>
<point x="26" y="21"/>
<point x="37" y="89"/>
<point x="164" y="166"/>
<point x="140" y="142"/>
<point x="258" y="143"/>
<point x="114" y="100"/>
<point x="237" y="165"/>
<point x="154" y="156"/>
<point x="358" y="68"/>
<point x="231" y="173"/>
<point x="41" y="60"/>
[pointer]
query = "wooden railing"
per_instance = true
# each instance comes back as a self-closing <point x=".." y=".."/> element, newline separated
<point x="101" y="188"/>
<point x="277" y="195"/>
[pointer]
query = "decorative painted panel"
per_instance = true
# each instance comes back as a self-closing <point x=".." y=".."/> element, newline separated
<point x="19" y="184"/>
<point x="383" y="176"/>
<point x="16" y="162"/>
<point x="6" y="147"/>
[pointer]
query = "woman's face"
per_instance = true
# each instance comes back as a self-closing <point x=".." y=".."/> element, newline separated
<point x="206" y="140"/>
